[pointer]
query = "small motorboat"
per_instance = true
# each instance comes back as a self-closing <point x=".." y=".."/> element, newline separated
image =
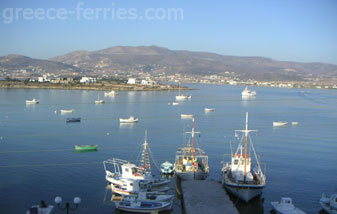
<point x="33" y="101"/>
<point x="142" y="207"/>
<point x="285" y="206"/>
<point x="131" y="119"/>
<point x="99" y="101"/>
<point x="329" y="204"/>
<point x="294" y="123"/>
<point x="73" y="120"/>
<point x="175" y="103"/>
<point x="42" y="208"/>
<point x="110" y="93"/>
<point x="166" y="168"/>
<point x="280" y="123"/>
<point x="186" y="115"/>
<point x="209" y="109"/>
<point x="64" y="111"/>
<point x="85" y="147"/>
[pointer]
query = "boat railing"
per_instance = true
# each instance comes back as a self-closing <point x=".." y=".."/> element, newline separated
<point x="116" y="163"/>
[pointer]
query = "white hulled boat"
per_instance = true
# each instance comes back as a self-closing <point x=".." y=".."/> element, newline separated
<point x="329" y="204"/>
<point x="186" y="116"/>
<point x="181" y="96"/>
<point x="248" y="93"/>
<point x="285" y="206"/>
<point x="166" y="168"/>
<point x="175" y="103"/>
<point x="33" y="101"/>
<point x="99" y="101"/>
<point x="64" y="111"/>
<point x="238" y="176"/>
<point x="148" y="197"/>
<point x="131" y="119"/>
<point x="142" y="207"/>
<point x="209" y="109"/>
<point x="280" y="123"/>
<point x="42" y="208"/>
<point x="191" y="162"/>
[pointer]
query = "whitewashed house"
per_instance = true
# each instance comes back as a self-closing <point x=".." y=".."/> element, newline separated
<point x="87" y="80"/>
<point x="131" y="81"/>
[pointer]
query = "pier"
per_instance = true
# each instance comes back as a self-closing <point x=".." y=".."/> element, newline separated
<point x="209" y="197"/>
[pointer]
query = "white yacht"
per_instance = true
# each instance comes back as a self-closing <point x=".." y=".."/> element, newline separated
<point x="238" y="175"/>
<point x="285" y="206"/>
<point x="280" y="123"/>
<point x="329" y="203"/>
<point x="248" y="93"/>
<point x="191" y="162"/>
<point x="182" y="97"/>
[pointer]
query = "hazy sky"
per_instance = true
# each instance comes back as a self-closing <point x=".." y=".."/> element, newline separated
<point x="292" y="30"/>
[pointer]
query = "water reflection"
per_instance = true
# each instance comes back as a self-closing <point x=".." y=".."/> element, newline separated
<point x="246" y="100"/>
<point x="126" y="126"/>
<point x="254" y="206"/>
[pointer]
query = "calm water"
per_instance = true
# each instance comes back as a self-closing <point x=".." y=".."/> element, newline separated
<point x="37" y="158"/>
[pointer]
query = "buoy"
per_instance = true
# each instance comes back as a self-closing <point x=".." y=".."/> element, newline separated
<point x="107" y="133"/>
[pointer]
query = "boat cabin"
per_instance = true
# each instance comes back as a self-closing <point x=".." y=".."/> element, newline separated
<point x="131" y="171"/>
<point x="286" y="200"/>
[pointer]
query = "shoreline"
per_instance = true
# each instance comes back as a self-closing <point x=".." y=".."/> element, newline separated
<point x="93" y="86"/>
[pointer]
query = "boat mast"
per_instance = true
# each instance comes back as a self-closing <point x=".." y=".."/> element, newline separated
<point x="192" y="138"/>
<point x="246" y="136"/>
<point x="144" y="152"/>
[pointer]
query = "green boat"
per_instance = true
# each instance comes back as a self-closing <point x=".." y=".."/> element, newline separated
<point x="86" y="147"/>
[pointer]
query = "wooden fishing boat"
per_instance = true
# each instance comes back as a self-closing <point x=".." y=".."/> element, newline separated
<point x="85" y="147"/>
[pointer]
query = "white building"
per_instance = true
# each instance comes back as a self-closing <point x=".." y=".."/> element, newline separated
<point x="132" y="81"/>
<point x="87" y="80"/>
<point x="44" y="78"/>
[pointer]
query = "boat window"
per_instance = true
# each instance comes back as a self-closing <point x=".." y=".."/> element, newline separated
<point x="236" y="162"/>
<point x="126" y="169"/>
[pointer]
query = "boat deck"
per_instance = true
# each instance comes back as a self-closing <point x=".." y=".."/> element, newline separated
<point x="206" y="197"/>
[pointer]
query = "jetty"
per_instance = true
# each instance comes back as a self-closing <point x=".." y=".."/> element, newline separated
<point x="199" y="197"/>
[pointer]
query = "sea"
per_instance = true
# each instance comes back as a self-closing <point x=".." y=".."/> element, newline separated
<point x="38" y="160"/>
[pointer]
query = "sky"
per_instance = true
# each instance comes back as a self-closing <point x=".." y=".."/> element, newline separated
<point x="287" y="30"/>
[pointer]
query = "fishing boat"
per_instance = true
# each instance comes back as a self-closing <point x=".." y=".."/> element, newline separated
<point x="285" y="206"/>
<point x="248" y="93"/>
<point x="33" y="101"/>
<point x="127" y="178"/>
<point x="181" y="96"/>
<point x="209" y="109"/>
<point x="131" y="119"/>
<point x="64" y="111"/>
<point x="110" y="93"/>
<point x="240" y="176"/>
<point x="42" y="208"/>
<point x="280" y="123"/>
<point x="186" y="115"/>
<point x="85" y="147"/>
<point x="142" y="207"/>
<point x="329" y="204"/>
<point x="148" y="197"/>
<point x="166" y="168"/>
<point x="73" y="120"/>
<point x="191" y="162"/>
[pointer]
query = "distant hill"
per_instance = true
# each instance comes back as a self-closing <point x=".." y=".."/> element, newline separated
<point x="35" y="66"/>
<point x="158" y="59"/>
<point x="154" y="59"/>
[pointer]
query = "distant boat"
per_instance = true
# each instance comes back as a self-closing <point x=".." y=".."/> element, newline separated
<point x="131" y="119"/>
<point x="175" y="103"/>
<point x="181" y="96"/>
<point x="285" y="206"/>
<point x="43" y="208"/>
<point x="73" y="120"/>
<point x="166" y="168"/>
<point x="209" y="109"/>
<point x="142" y="207"/>
<point x="294" y="123"/>
<point x="99" y="101"/>
<point x="64" y="111"/>
<point x="85" y="147"/>
<point x="329" y="204"/>
<point x="110" y="93"/>
<point x="280" y="123"/>
<point x="33" y="101"/>
<point x="186" y="115"/>
<point x="243" y="176"/>
<point x="248" y="93"/>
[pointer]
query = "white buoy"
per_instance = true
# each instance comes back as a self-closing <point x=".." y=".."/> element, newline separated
<point x="107" y="133"/>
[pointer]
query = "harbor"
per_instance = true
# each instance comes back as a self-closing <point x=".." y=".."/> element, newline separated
<point x="41" y="161"/>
